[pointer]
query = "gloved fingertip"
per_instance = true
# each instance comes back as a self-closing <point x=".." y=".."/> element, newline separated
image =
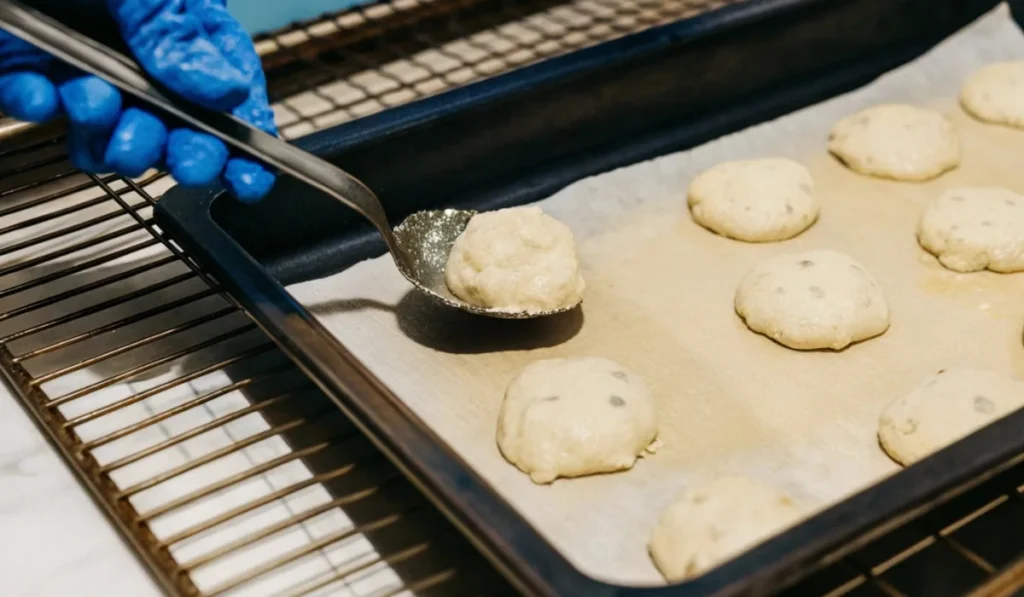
<point x="195" y="159"/>
<point x="248" y="181"/>
<point x="91" y="102"/>
<point x="137" y="143"/>
<point x="29" y="97"/>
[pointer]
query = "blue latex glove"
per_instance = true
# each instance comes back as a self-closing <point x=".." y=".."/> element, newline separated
<point x="193" y="47"/>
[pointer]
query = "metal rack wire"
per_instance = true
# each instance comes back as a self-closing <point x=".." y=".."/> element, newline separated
<point x="227" y="471"/>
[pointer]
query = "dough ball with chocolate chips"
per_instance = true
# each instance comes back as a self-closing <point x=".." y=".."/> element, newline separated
<point x="576" y="416"/>
<point x="975" y="228"/>
<point x="995" y="93"/>
<point x="812" y="300"/>
<point x="516" y="259"/>
<point x="715" y="522"/>
<point x="763" y="200"/>
<point x="896" y="141"/>
<point x="944" y="408"/>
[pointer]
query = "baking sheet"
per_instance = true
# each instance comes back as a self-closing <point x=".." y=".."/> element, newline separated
<point x="660" y="301"/>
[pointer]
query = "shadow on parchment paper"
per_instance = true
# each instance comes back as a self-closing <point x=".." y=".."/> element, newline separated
<point x="449" y="330"/>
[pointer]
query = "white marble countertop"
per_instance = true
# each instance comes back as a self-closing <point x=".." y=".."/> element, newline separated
<point x="54" y="540"/>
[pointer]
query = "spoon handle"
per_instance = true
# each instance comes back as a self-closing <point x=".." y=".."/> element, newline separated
<point x="109" y="65"/>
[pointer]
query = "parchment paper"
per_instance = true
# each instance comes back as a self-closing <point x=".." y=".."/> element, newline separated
<point x="660" y="301"/>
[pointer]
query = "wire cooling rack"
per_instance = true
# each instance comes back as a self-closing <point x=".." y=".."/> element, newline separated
<point x="223" y="467"/>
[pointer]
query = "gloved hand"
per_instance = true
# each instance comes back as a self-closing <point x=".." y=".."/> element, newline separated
<point x="193" y="47"/>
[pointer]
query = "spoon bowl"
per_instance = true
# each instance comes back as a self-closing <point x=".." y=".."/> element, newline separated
<point x="422" y="244"/>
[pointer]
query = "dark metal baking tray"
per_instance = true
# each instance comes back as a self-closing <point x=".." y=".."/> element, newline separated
<point x="518" y="138"/>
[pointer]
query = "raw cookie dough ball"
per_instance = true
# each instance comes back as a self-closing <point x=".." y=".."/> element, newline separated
<point x="896" y="141"/>
<point x="974" y="228"/>
<point x="817" y="299"/>
<point x="575" y="416"/>
<point x="995" y="93"/>
<point x="517" y="259"/>
<point x="946" y="407"/>
<point x="714" y="522"/>
<point x="761" y="200"/>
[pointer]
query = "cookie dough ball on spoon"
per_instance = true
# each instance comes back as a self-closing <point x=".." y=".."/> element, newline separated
<point x="995" y="93"/>
<point x="896" y="141"/>
<point x="945" y="408"/>
<point x="715" y="522"/>
<point x="762" y="200"/>
<point x="517" y="259"/>
<point x="575" y="416"/>
<point x="975" y="228"/>
<point x="812" y="300"/>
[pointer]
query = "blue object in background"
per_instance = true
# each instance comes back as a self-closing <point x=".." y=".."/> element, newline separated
<point x="259" y="16"/>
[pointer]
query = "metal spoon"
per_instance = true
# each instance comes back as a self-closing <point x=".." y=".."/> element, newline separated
<point x="420" y="245"/>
